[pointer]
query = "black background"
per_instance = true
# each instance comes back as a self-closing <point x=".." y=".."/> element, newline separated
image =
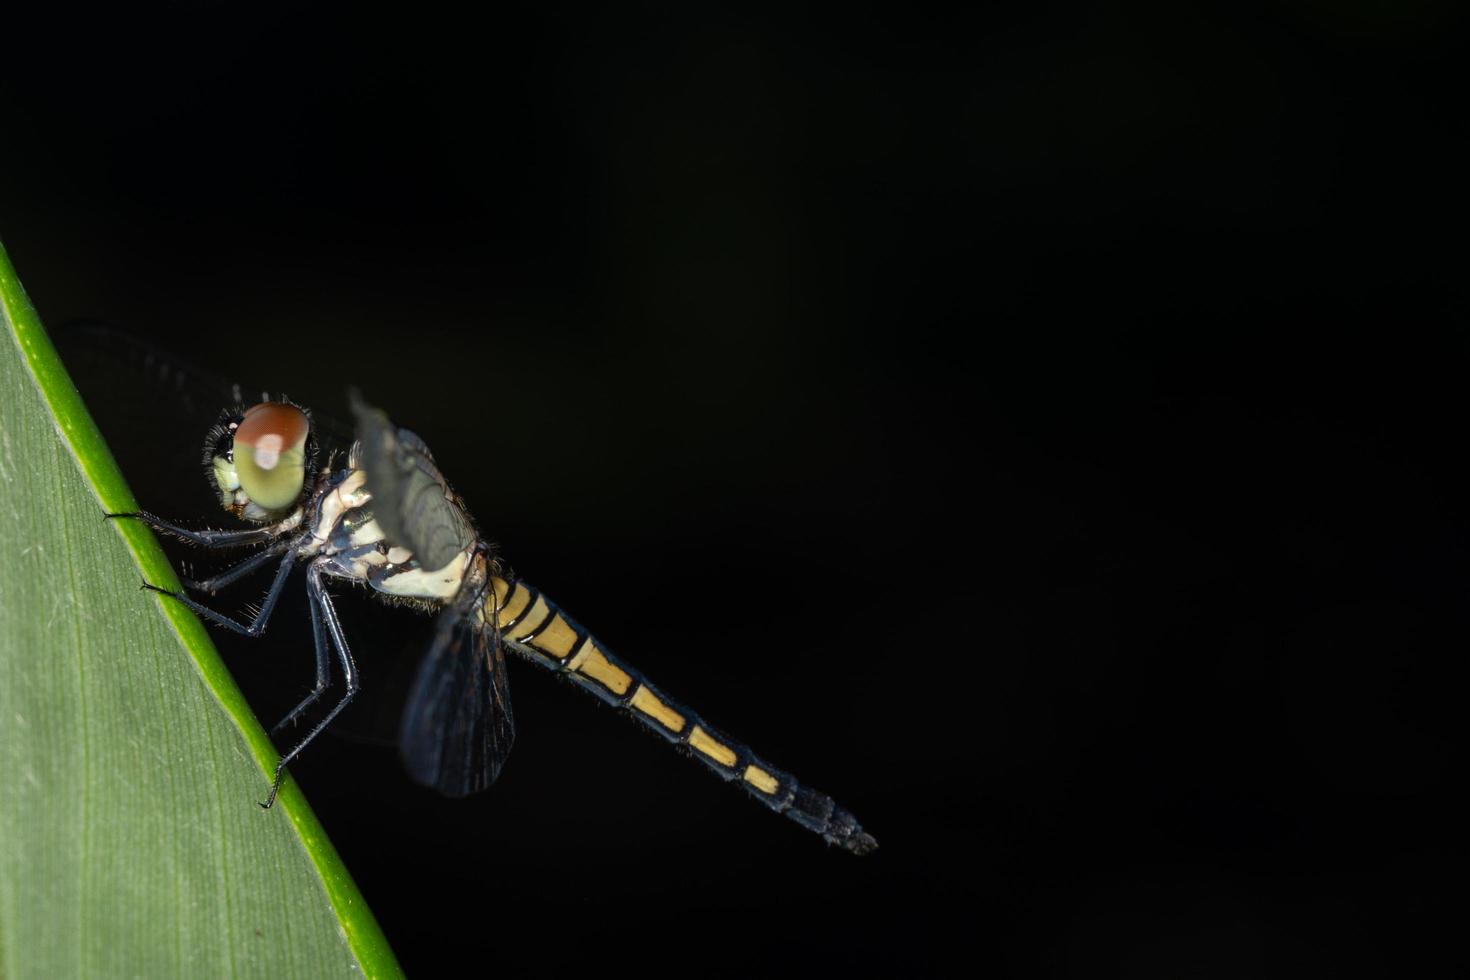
<point x="1049" y="422"/>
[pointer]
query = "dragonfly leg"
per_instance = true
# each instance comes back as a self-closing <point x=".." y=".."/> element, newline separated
<point x="257" y="625"/>
<point x="320" y="599"/>
<point x="205" y="538"/>
<point x="233" y="574"/>
<point x="321" y="646"/>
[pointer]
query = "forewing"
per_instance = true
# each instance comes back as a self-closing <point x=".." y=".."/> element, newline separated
<point x="160" y="392"/>
<point x="457" y="725"/>
<point x="411" y="500"/>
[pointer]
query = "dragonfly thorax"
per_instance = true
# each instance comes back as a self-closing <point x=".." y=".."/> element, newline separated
<point x="349" y="536"/>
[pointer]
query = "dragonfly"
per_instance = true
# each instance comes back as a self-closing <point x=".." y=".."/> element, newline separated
<point x="370" y="506"/>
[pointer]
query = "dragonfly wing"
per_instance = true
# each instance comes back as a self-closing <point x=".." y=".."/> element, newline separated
<point x="167" y="383"/>
<point x="457" y="725"/>
<point x="411" y="499"/>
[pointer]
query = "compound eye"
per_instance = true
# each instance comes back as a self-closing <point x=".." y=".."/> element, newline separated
<point x="270" y="454"/>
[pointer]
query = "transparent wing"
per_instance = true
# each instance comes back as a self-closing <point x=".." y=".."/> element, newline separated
<point x="162" y="388"/>
<point x="457" y="724"/>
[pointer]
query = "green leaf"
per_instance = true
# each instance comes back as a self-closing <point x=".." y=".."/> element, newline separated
<point x="130" y="840"/>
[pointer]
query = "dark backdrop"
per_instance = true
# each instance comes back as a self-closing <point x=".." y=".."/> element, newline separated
<point x="1049" y="421"/>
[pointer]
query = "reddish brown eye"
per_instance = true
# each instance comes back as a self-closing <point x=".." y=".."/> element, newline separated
<point x="270" y="453"/>
<point x="271" y="428"/>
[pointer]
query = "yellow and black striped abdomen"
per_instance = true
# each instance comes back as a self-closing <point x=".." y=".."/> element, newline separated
<point x="535" y="628"/>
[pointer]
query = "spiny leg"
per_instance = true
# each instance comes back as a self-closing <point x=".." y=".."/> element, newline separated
<point x="204" y="539"/>
<point x="236" y="572"/>
<point x="258" y="623"/>
<point x="323" y="667"/>
<point x="319" y="597"/>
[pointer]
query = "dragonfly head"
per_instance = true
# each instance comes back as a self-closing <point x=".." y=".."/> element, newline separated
<point x="259" y="458"/>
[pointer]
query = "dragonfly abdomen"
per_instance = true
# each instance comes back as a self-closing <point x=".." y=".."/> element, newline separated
<point x="534" y="627"/>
